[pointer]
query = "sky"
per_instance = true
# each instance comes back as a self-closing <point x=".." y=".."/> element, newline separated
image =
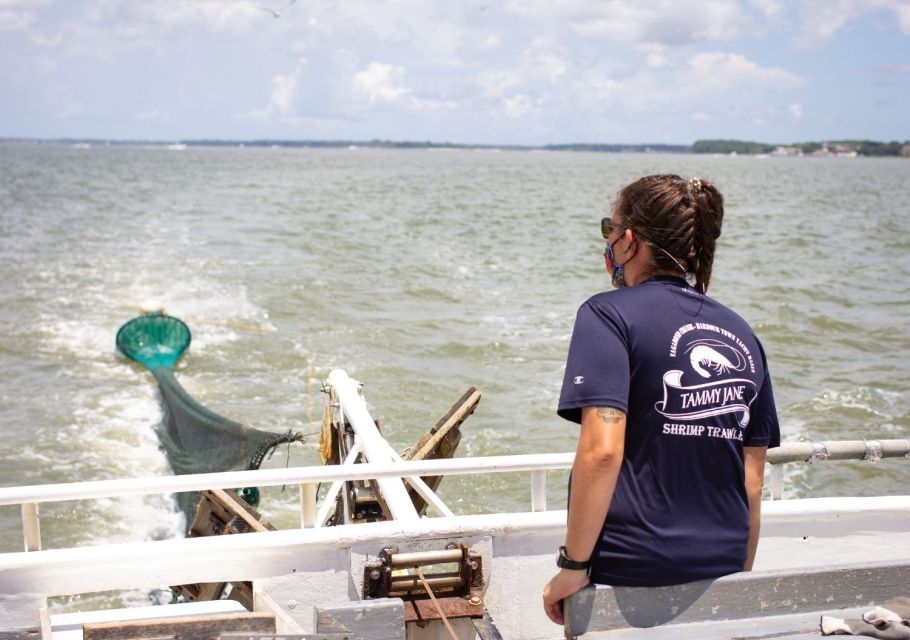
<point x="465" y="71"/>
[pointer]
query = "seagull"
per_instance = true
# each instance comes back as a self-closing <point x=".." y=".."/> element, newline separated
<point x="277" y="14"/>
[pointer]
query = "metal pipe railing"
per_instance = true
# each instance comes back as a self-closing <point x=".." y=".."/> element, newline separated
<point x="817" y="451"/>
<point x="375" y="447"/>
<point x="29" y="497"/>
<point x="822" y="451"/>
<point x="275" y="477"/>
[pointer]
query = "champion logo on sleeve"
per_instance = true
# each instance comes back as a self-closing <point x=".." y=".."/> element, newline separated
<point x="579" y="380"/>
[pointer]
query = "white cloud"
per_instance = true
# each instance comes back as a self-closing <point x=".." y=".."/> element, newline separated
<point x="720" y="70"/>
<point x="772" y="9"/>
<point x="379" y="82"/>
<point x="70" y="110"/>
<point x="820" y="20"/>
<point x="281" y="102"/>
<point x="669" y="22"/>
<point x="902" y="9"/>
<point x="18" y="15"/>
<point x="596" y="91"/>
<point x="283" y="92"/>
<point x="15" y="20"/>
<point x="656" y="60"/>
<point x="104" y="29"/>
<point x="519" y="107"/>
<point x="545" y="61"/>
<point x="496" y="83"/>
<point x="796" y="110"/>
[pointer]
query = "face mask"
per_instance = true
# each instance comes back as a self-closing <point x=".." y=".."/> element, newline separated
<point x="613" y="267"/>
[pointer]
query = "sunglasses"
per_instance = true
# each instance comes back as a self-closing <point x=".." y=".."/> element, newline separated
<point x="607" y="226"/>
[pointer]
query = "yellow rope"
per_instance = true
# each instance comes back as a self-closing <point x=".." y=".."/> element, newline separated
<point x="326" y="446"/>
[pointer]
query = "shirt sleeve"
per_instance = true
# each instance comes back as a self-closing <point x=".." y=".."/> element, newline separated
<point x="764" y="427"/>
<point x="597" y="368"/>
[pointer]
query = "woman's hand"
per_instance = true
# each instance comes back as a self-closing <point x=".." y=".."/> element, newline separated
<point x="562" y="585"/>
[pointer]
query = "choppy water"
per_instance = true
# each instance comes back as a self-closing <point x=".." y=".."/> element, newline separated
<point x="420" y="273"/>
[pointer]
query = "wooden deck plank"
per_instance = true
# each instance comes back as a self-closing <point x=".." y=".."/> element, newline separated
<point x="195" y="628"/>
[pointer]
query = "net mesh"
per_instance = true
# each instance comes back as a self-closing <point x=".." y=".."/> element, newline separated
<point x="195" y="439"/>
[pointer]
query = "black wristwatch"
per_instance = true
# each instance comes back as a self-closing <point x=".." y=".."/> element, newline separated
<point x="563" y="561"/>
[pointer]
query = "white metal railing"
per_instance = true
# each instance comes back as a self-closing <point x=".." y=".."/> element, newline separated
<point x="818" y="451"/>
<point x="351" y="404"/>
<point x="29" y="497"/>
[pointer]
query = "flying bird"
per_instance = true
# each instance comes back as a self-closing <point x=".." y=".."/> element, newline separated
<point x="276" y="13"/>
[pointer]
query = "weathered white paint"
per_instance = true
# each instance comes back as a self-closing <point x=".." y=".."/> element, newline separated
<point x="31" y="529"/>
<point x="308" y="505"/>
<point x="284" y="622"/>
<point x="238" y="557"/>
<point x="21" y="610"/>
<point x="375" y="448"/>
<point x="317" y="564"/>
<point x="298" y="594"/>
<point x="380" y="619"/>
<point x="776" y="486"/>
<point x="229" y="558"/>
<point x="737" y="596"/>
<point x="539" y="490"/>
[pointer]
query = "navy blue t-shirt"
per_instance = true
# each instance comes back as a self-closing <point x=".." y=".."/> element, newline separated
<point x="691" y="377"/>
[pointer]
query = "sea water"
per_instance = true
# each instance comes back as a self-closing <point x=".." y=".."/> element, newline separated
<point x="421" y="273"/>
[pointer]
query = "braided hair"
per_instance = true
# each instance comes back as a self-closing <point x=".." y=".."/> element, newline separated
<point x="680" y="219"/>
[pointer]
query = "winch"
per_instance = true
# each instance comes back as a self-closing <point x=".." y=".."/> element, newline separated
<point x="446" y="583"/>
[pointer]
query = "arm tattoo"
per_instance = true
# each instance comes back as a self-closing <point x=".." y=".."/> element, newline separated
<point x="609" y="415"/>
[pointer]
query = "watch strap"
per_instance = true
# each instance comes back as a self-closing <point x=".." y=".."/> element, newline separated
<point x="563" y="561"/>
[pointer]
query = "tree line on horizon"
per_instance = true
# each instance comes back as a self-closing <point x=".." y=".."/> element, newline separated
<point x="715" y="146"/>
<point x="745" y="147"/>
<point x="862" y="147"/>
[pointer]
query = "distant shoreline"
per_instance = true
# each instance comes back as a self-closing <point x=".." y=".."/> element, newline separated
<point x="844" y="148"/>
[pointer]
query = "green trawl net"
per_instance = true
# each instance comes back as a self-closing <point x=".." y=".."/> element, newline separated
<point x="155" y="340"/>
<point x="195" y="438"/>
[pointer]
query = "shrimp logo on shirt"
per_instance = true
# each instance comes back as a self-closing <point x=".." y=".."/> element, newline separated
<point x="707" y="357"/>
<point x="714" y="385"/>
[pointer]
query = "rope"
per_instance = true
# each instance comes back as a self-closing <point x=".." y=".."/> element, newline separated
<point x="267" y="448"/>
<point x="326" y="446"/>
<point x="445" y="620"/>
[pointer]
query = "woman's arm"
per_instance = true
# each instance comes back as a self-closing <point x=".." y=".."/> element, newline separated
<point x="755" y="479"/>
<point x="595" y="471"/>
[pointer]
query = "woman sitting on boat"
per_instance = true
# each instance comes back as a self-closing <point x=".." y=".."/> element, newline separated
<point x="674" y="399"/>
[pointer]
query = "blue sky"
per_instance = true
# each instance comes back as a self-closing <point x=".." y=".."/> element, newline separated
<point x="481" y="71"/>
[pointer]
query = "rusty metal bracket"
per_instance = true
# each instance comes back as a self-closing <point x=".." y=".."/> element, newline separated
<point x="458" y="588"/>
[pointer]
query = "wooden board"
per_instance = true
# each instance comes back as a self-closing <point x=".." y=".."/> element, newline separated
<point x="189" y="628"/>
<point x="221" y="512"/>
<point x="441" y="441"/>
